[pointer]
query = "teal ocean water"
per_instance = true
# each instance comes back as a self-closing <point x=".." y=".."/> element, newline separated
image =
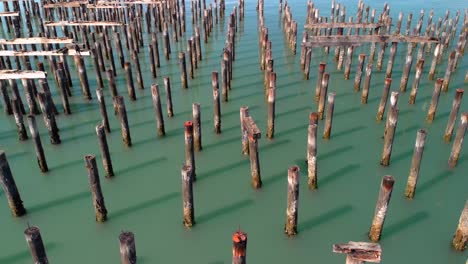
<point x="145" y="195"/>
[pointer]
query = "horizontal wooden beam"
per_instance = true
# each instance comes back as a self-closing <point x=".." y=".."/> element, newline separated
<point x="69" y="52"/>
<point x="19" y="74"/>
<point x="252" y="127"/>
<point x="149" y="2"/>
<point x="19" y="41"/>
<point x="343" y="25"/>
<point x="105" y="6"/>
<point x="362" y="251"/>
<point x="9" y="14"/>
<point x="82" y="23"/>
<point x="340" y="40"/>
<point x="66" y="4"/>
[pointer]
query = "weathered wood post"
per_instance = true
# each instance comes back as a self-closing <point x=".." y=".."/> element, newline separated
<point x="122" y="113"/>
<point x="390" y="127"/>
<point x="63" y="84"/>
<point x="49" y="118"/>
<point x="41" y="160"/>
<point x="83" y="76"/>
<point x="22" y="134"/>
<point x="366" y="86"/>
<point x="216" y="103"/>
<point x="254" y="162"/>
<point x="103" y="109"/>
<point x="384" y="99"/>
<point x="385" y="193"/>
<point x="417" y="77"/>
<point x="189" y="153"/>
<point x="435" y="100"/>
<point x="16" y="94"/>
<point x="453" y="115"/>
<point x="358" y="77"/>
<point x="98" y="199"/>
<point x="157" y="109"/>
<point x="129" y="77"/>
<point x="323" y="95"/>
<point x="415" y="164"/>
<point x="167" y="87"/>
<point x="183" y="70"/>
<point x="35" y="244"/>
<point x="197" y="131"/>
<point x="448" y="71"/>
<point x="239" y="247"/>
<point x="127" y="248"/>
<point x="349" y="59"/>
<point x="329" y="116"/>
<point x="312" y="151"/>
<point x="293" y="201"/>
<point x="359" y="252"/>
<point x="393" y="50"/>
<point x="225" y="79"/>
<point x="30" y="98"/>
<point x="318" y="85"/>
<point x="407" y="68"/>
<point x="461" y="234"/>
<point x="244" y="113"/>
<point x="9" y="187"/>
<point x="187" y="196"/>
<point x="104" y="148"/>
<point x="457" y="143"/>
<point x="271" y="110"/>
<point x="5" y="98"/>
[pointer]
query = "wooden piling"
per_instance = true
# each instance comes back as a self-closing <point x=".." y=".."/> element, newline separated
<point x="103" y="109"/>
<point x="216" y="103"/>
<point x="157" y="109"/>
<point x="312" y="151"/>
<point x="95" y="185"/>
<point x="460" y="237"/>
<point x="183" y="70"/>
<point x="16" y="94"/>
<point x="197" y="131"/>
<point x="189" y="153"/>
<point x="83" y="76"/>
<point x="434" y="100"/>
<point x="187" y="196"/>
<point x="453" y="115"/>
<point x="166" y="44"/>
<point x="323" y="94"/>
<point x="239" y="247"/>
<point x="225" y="79"/>
<point x="63" y="91"/>
<point x="349" y="59"/>
<point x="391" y="59"/>
<point x="5" y="98"/>
<point x="318" y="85"/>
<point x="437" y="51"/>
<point x="48" y="116"/>
<point x="271" y="111"/>
<point x="366" y="86"/>
<point x="9" y="187"/>
<point x="104" y="148"/>
<point x="293" y="201"/>
<point x="407" y="68"/>
<point x="448" y="71"/>
<point x="136" y="62"/>
<point x="457" y="143"/>
<point x="256" y="180"/>
<point x="112" y="85"/>
<point x="35" y="244"/>
<point x="96" y="68"/>
<point x="414" y="89"/>
<point x="30" y="97"/>
<point x="167" y="87"/>
<point x="415" y="164"/>
<point x="390" y="126"/>
<point x="129" y="77"/>
<point x="127" y="248"/>
<point x="41" y="160"/>
<point x="384" y="99"/>
<point x="122" y="112"/>
<point x="329" y="116"/>
<point x="22" y="134"/>
<point x="244" y="113"/>
<point x="385" y="193"/>
<point x="358" y="76"/>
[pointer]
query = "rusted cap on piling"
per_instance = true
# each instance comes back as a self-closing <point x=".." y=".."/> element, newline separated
<point x="362" y="56"/>
<point x="464" y="117"/>
<point x="439" y="81"/>
<point x="322" y="66"/>
<point x="239" y="244"/>
<point x="459" y="91"/>
<point x="388" y="81"/>
<point x="126" y="237"/>
<point x="293" y="171"/>
<point x="387" y="182"/>
<point x="181" y="55"/>
<point x="313" y="117"/>
<point x="32" y="231"/>
<point x="126" y="64"/>
<point x="188" y="125"/>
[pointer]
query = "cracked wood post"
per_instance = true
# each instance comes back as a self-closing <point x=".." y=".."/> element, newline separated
<point x="460" y="237"/>
<point x="83" y="76"/>
<point x="457" y="143"/>
<point x="22" y="134"/>
<point x="318" y="85"/>
<point x="118" y="43"/>
<point x="349" y="59"/>
<point x="271" y="109"/>
<point x="127" y="248"/>
<point x="41" y="160"/>
<point x="154" y="43"/>
<point x="239" y="247"/>
<point x="224" y="78"/>
<point x="414" y="89"/>
<point x="290" y="228"/>
<point x="216" y="103"/>
<point x="380" y="55"/>
<point x="157" y="109"/>
<point x="366" y="85"/>
<point x="358" y="76"/>
<point x="166" y="43"/>
<point x="448" y="71"/>
<point x="129" y="78"/>
<point x="48" y="114"/>
<point x="254" y="162"/>
<point x="152" y="62"/>
<point x="453" y="115"/>
<point x="308" y="58"/>
<point x="112" y="85"/>
<point x="136" y="61"/>
<point x="103" y="109"/>
<point x="35" y="244"/>
<point x="95" y="185"/>
<point x="63" y="84"/>
<point x="385" y="193"/>
<point x="189" y="149"/>
<point x="167" y="87"/>
<point x="104" y="148"/>
<point x="384" y="99"/>
<point x="122" y="113"/>
<point x="187" y="196"/>
<point x="183" y="70"/>
<point x="9" y="187"/>
<point x="329" y="116"/>
<point x="434" y="61"/>
<point x="323" y="94"/>
<point x="190" y="56"/>
<point x="197" y="131"/>
<point x="244" y="113"/>
<point x="435" y="100"/>
<point x="390" y="126"/>
<point x="30" y="98"/>
<point x="5" y="98"/>
<point x="407" y="68"/>
<point x="96" y="68"/>
<point x="391" y="59"/>
<point x="312" y="151"/>
<point x="415" y="164"/>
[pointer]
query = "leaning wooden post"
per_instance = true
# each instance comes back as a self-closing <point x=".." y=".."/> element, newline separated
<point x="414" y="89"/>
<point x="390" y="127"/>
<point x="9" y="187"/>
<point x="167" y="87"/>
<point x="5" y="98"/>
<point x="312" y="151"/>
<point x="239" y="247"/>
<point x="22" y="135"/>
<point x="103" y="109"/>
<point x="216" y="103"/>
<point x="189" y="149"/>
<point x="358" y="77"/>
<point x="323" y="95"/>
<point x="457" y="143"/>
<point x="197" y="131"/>
<point x="83" y="76"/>
<point x="437" y="51"/>
<point x="122" y="112"/>
<point x="393" y="50"/>
<point x="271" y="111"/>
<point x="244" y="113"/>
<point x="329" y="116"/>
<point x="435" y="100"/>
<point x="448" y="71"/>
<point x="63" y="83"/>
<point x="254" y="162"/>
<point x="35" y="244"/>
<point x="183" y="70"/>
<point x="385" y="193"/>
<point x="157" y="109"/>
<point x="187" y="196"/>
<point x="460" y="237"/>
<point x="30" y="98"/>
<point x="41" y="160"/>
<point x="49" y="117"/>
<point x="453" y="115"/>
<point x="166" y="44"/>
<point x="349" y="58"/>
<point x="225" y="79"/>
<point x="129" y="77"/>
<point x="127" y="248"/>
<point x="415" y="164"/>
<point x="318" y="85"/>
<point x="407" y="68"/>
<point x="383" y="100"/>
<point x="98" y="199"/>
<point x="366" y="86"/>
<point x="293" y="201"/>
<point x="104" y="148"/>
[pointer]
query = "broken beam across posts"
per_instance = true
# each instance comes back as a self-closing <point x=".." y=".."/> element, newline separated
<point x="82" y="23"/>
<point x="22" y="41"/>
<point x="20" y="74"/>
<point x="354" y="40"/>
<point x="9" y="14"/>
<point x="69" y="52"/>
<point x="343" y="25"/>
<point x="361" y="251"/>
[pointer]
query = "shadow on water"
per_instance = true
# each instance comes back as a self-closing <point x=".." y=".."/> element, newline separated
<point x="324" y="218"/>
<point x="404" y="224"/>
<point x="83" y="123"/>
<point x="58" y="202"/>
<point x="434" y="181"/>
<point x="25" y="254"/>
<point x="69" y="164"/>
<point x="224" y="210"/>
<point x="211" y="173"/>
<point x="407" y="130"/>
<point x="402" y="156"/>
<point x="222" y="143"/>
<point x="144" y="205"/>
<point x="141" y="165"/>
<point x="273" y="144"/>
<point x="16" y="155"/>
<point x="302" y="128"/>
<point x="338" y="174"/>
<point x="348" y="131"/>
<point x="347" y="111"/>
<point x="275" y="178"/>
<point x="334" y="152"/>
<point x="296" y="110"/>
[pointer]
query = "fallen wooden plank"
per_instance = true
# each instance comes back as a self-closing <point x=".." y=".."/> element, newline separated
<point x="363" y="251"/>
<point x="82" y="23"/>
<point x="69" y="52"/>
<point x="9" y="14"/>
<point x="343" y="25"/>
<point x="36" y="41"/>
<point x="20" y="74"/>
<point x="337" y="40"/>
